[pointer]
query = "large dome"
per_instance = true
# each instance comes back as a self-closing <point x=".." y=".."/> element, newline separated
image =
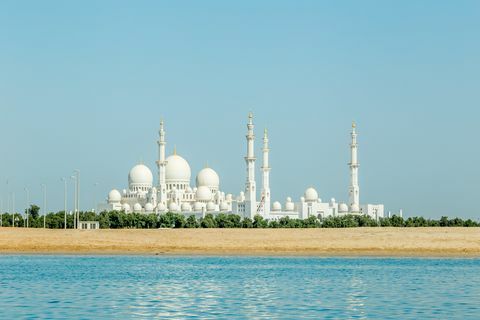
<point x="209" y="178"/>
<point x="114" y="196"/>
<point x="311" y="195"/>
<point x="140" y="175"/>
<point x="203" y="194"/>
<point x="177" y="170"/>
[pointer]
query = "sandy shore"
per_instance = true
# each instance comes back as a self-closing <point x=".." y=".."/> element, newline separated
<point x="431" y="242"/>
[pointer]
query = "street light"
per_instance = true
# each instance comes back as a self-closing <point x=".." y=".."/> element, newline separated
<point x="13" y="208"/>
<point x="44" y="187"/>
<point x="28" y="204"/>
<point x="65" y="202"/>
<point x="95" y="197"/>
<point x="76" y="177"/>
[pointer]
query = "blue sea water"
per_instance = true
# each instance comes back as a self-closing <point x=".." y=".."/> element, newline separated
<point x="124" y="287"/>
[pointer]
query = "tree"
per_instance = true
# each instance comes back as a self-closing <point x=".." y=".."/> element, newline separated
<point x="33" y="211"/>
<point x="208" y="222"/>
<point x="259" y="222"/>
<point x="192" y="222"/>
<point x="247" y="223"/>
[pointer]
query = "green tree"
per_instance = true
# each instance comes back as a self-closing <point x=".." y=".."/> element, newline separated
<point x="259" y="222"/>
<point x="208" y="222"/>
<point x="247" y="223"/>
<point x="192" y="222"/>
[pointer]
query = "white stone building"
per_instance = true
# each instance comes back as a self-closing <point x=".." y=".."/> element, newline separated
<point x="174" y="193"/>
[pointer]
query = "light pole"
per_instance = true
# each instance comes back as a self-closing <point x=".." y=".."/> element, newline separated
<point x="95" y="197"/>
<point x="28" y="205"/>
<point x="76" y="177"/>
<point x="44" y="187"/>
<point x="77" y="173"/>
<point x="13" y="208"/>
<point x="65" y="202"/>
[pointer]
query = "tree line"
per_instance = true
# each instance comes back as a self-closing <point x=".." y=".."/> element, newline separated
<point x="122" y="220"/>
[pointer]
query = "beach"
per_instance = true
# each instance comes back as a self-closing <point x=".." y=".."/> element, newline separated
<point x="422" y="242"/>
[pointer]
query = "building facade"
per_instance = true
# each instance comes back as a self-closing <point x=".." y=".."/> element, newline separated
<point x="173" y="191"/>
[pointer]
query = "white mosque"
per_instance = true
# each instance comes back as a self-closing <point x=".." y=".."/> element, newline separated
<point x="173" y="192"/>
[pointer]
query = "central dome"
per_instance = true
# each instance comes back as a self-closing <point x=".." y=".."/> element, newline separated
<point x="140" y="175"/>
<point x="209" y="178"/>
<point x="311" y="195"/>
<point x="177" y="170"/>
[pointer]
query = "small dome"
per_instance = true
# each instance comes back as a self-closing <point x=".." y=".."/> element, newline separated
<point x="289" y="206"/>
<point x="354" y="208"/>
<point x="173" y="207"/>
<point x="211" y="206"/>
<point x="126" y="207"/>
<point x="198" y="206"/>
<point x="186" y="207"/>
<point x="203" y="194"/>
<point x="149" y="207"/>
<point x="114" y="196"/>
<point x="177" y="169"/>
<point x="276" y="206"/>
<point x="289" y="199"/>
<point x="343" y="208"/>
<point x="140" y="175"/>
<point x="188" y="190"/>
<point x="137" y="207"/>
<point x="224" y="207"/>
<point x="208" y="177"/>
<point x="311" y="195"/>
<point x="161" y="207"/>
<point x="229" y="197"/>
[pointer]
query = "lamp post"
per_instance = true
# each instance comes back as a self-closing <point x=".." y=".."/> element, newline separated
<point x="65" y="203"/>
<point x="13" y="208"/>
<point x="74" y="178"/>
<point x="44" y="187"/>
<point x="28" y="205"/>
<point x="95" y="197"/>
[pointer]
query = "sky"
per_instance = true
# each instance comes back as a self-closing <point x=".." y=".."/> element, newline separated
<point x="84" y="84"/>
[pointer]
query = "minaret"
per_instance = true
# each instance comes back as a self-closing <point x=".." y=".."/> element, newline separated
<point x="162" y="164"/>
<point x="250" y="186"/>
<point x="354" y="189"/>
<point x="266" y="176"/>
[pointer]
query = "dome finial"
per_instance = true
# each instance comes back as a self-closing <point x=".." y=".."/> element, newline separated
<point x="354" y="125"/>
<point x="206" y="165"/>
<point x="175" y="150"/>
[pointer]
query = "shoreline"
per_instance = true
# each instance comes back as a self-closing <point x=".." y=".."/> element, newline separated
<point x="349" y="242"/>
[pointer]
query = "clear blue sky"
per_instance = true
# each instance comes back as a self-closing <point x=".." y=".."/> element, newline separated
<point x="84" y="84"/>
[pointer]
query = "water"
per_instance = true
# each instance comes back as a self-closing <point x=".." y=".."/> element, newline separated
<point x="59" y="287"/>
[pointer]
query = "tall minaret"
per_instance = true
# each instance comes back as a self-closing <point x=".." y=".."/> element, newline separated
<point x="250" y="186"/>
<point x="161" y="164"/>
<point x="354" y="189"/>
<point x="266" y="176"/>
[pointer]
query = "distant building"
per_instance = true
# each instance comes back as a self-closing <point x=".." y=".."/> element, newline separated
<point x="174" y="193"/>
<point x="89" y="225"/>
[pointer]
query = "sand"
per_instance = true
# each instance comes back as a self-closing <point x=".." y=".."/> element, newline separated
<point x="395" y="242"/>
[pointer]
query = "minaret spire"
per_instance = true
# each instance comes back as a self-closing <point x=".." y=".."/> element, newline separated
<point x="250" y="186"/>
<point x="266" y="175"/>
<point x="354" y="189"/>
<point x="161" y="165"/>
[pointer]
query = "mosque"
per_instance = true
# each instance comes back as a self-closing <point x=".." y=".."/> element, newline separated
<point x="173" y="192"/>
